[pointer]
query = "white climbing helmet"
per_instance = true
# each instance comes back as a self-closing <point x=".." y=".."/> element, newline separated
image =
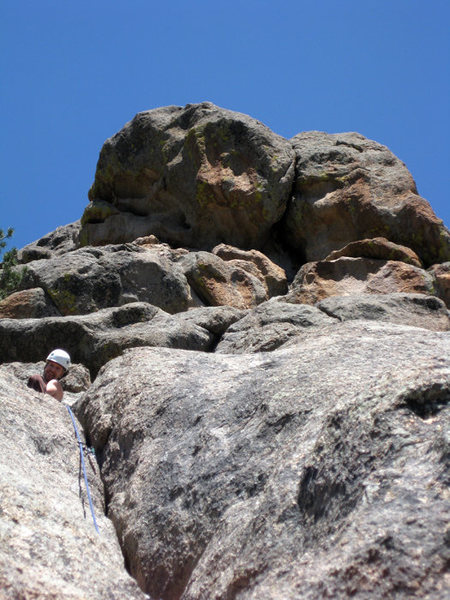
<point x="61" y="357"/>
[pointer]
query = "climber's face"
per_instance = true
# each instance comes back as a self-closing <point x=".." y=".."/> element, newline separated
<point x="53" y="370"/>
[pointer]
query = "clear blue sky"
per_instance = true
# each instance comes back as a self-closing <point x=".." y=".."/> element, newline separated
<point x="73" y="73"/>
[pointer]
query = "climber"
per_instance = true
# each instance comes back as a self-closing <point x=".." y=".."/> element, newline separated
<point x="56" y="366"/>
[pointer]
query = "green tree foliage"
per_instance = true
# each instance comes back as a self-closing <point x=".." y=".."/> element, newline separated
<point x="10" y="277"/>
<point x="5" y="236"/>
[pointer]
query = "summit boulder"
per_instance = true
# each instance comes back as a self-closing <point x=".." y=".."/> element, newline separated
<point x="348" y="188"/>
<point x="194" y="176"/>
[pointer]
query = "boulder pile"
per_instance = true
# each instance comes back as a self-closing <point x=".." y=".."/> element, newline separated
<point x="260" y="335"/>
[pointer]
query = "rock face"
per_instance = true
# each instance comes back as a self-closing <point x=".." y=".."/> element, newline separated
<point x="49" y="547"/>
<point x="314" y="470"/>
<point x="259" y="331"/>
<point x="441" y="274"/>
<point x="217" y="282"/>
<point x="272" y="276"/>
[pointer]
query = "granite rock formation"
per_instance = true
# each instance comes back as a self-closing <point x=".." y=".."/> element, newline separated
<point x="202" y="175"/>
<point x="309" y="471"/>
<point x="260" y="335"/>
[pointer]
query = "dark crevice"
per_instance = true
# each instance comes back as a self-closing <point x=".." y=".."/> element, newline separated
<point x="328" y="312"/>
<point x="426" y="400"/>
<point x="350" y="145"/>
<point x="281" y="423"/>
<point x="107" y="497"/>
<point x="281" y="253"/>
<point x="216" y="339"/>
<point x="93" y="221"/>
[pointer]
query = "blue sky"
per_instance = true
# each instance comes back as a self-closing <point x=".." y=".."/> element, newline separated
<point x="73" y="73"/>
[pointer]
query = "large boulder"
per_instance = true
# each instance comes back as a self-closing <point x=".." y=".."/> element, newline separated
<point x="347" y="188"/>
<point x="228" y="276"/>
<point x="28" y="304"/>
<point x="349" y="276"/>
<point x="49" y="546"/>
<point x="89" y="279"/>
<point x="194" y="176"/>
<point x="217" y="282"/>
<point x="272" y="275"/>
<point x="314" y="470"/>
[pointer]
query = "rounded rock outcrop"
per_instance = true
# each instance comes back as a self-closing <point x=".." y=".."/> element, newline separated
<point x="195" y="176"/>
<point x="347" y="188"/>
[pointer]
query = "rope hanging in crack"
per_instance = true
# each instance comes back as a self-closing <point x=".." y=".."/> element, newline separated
<point x="80" y="445"/>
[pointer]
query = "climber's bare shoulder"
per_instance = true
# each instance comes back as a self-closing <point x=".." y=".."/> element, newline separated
<point x="54" y="388"/>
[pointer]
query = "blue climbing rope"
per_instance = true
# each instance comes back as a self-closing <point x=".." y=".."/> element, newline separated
<point x="80" y="444"/>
